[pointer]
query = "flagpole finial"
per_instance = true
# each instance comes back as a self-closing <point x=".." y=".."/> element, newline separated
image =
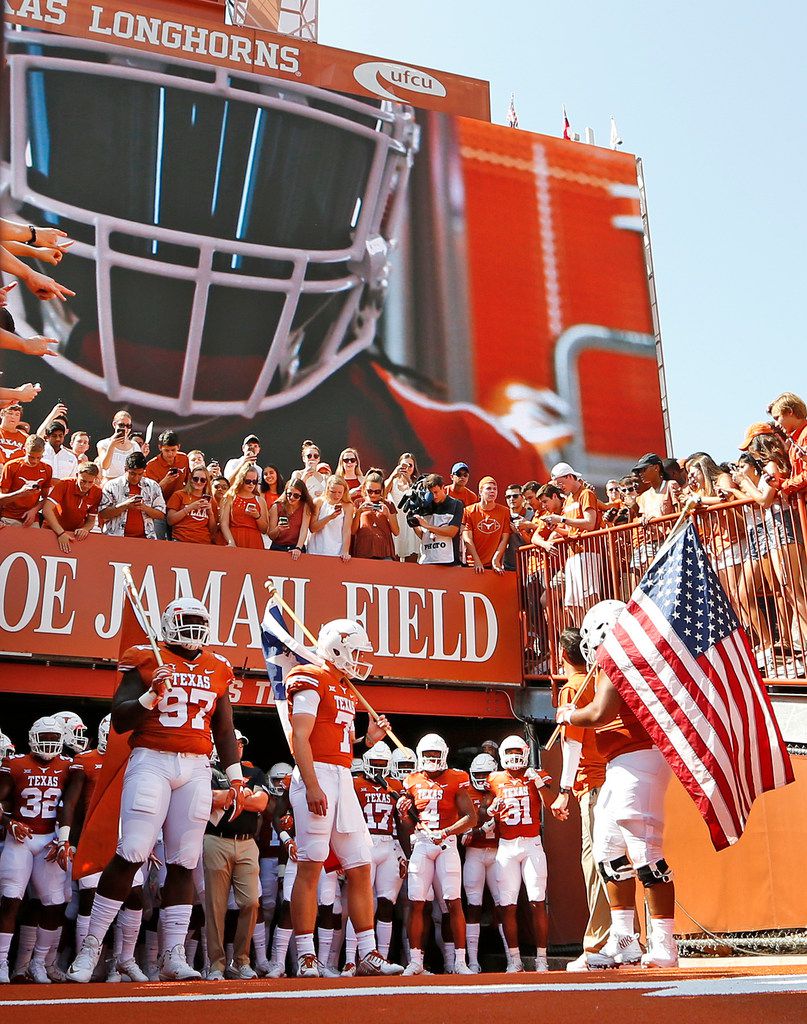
<point x="567" y="128"/>
<point x="512" y="116"/>
<point x="616" y="141"/>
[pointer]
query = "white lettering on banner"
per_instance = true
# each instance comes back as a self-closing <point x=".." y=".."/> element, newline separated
<point x="52" y="12"/>
<point x="31" y="591"/>
<point x="246" y="600"/>
<point x="373" y="72"/>
<point x="51" y="595"/>
<point x="176" y="35"/>
<point x="470" y="600"/>
<point x="439" y="629"/>
<point x="148" y="597"/>
<point x="382" y="646"/>
<point x="409" y="620"/>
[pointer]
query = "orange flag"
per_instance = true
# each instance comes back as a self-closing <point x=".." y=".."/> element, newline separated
<point x="99" y="836"/>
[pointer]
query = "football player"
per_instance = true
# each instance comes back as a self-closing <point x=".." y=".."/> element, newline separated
<point x="438" y="807"/>
<point x="269" y="852"/>
<point x="378" y="796"/>
<point x="629" y="818"/>
<point x="326" y="808"/>
<point x="518" y="794"/>
<point x="171" y="709"/>
<point x="404" y="762"/>
<point x="31" y="787"/>
<point x="480" y="845"/>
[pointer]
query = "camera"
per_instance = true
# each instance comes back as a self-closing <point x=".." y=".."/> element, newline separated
<point x="419" y="501"/>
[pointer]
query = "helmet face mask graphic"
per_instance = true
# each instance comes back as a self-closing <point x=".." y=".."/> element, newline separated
<point x="46" y="738"/>
<point x="404" y="762"/>
<point x="221" y="198"/>
<point x="432" y="753"/>
<point x="514" y="753"/>
<point x="74" y="731"/>
<point x="377" y="761"/>
<point x="186" y="623"/>
<point x="481" y="766"/>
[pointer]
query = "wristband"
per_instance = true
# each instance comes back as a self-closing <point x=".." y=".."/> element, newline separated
<point x="234" y="773"/>
<point x="63" y="834"/>
<point x="564" y="790"/>
<point x="62" y="533"/>
<point x="284" y="837"/>
<point x="149" y="699"/>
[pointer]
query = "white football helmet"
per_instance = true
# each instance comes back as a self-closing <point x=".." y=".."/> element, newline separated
<point x="74" y="730"/>
<point x="404" y="762"/>
<point x="342" y="642"/>
<point x="597" y="624"/>
<point x="432" y="753"/>
<point x="481" y="766"/>
<point x="285" y="227"/>
<point x="514" y="752"/>
<point x="103" y="733"/>
<point x="356" y="766"/>
<point x="7" y="748"/>
<point x="177" y="629"/>
<point x="278" y="773"/>
<point x="46" y="738"/>
<point x="377" y="761"/>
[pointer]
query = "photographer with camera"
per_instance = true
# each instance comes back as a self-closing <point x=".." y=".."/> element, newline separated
<point x="439" y="524"/>
<point x="113" y="451"/>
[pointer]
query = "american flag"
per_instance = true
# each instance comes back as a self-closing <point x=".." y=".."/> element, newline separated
<point x="683" y="664"/>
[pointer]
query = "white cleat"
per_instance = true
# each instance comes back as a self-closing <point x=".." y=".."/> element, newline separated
<point x="263" y="967"/>
<point x="37" y="972"/>
<point x="242" y="973"/>
<point x="55" y="973"/>
<point x="661" y="955"/>
<point x="214" y="976"/>
<point x="4" y="978"/>
<point x="82" y="968"/>
<point x="308" y="966"/>
<point x="412" y="968"/>
<point x="175" y="967"/>
<point x="375" y="964"/>
<point x="622" y="950"/>
<point x="515" y="967"/>
<point x="460" y="967"/>
<point x="129" y="970"/>
<point x="326" y="971"/>
<point x="475" y="967"/>
<point x="276" y="970"/>
<point x="541" y="965"/>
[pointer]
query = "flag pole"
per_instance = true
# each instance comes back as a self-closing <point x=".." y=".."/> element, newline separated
<point x="687" y="509"/>
<point x="275" y="596"/>
<point x="140" y="613"/>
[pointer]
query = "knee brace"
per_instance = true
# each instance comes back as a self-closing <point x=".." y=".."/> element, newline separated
<point x="619" y="870"/>
<point x="653" y="874"/>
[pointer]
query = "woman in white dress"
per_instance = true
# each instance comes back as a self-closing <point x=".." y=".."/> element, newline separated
<point x="314" y="481"/>
<point x="330" y="527"/>
<point x="396" y="485"/>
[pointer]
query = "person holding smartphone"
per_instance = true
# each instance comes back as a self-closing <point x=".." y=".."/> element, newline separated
<point x="132" y="504"/>
<point x="244" y="516"/>
<point x="330" y="528"/>
<point x="192" y="511"/>
<point x="289" y="519"/>
<point x="375" y="522"/>
<point x="113" y="451"/>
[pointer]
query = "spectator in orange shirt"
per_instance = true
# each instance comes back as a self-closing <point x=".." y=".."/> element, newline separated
<point x="486" y="528"/>
<point x="581" y="514"/>
<point x="458" y="488"/>
<point x="23" y="485"/>
<point x="789" y="412"/>
<point x="71" y="508"/>
<point x="191" y="512"/>
<point x="12" y="439"/>
<point x="273" y="484"/>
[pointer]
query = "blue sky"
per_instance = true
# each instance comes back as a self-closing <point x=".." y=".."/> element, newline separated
<point x="712" y="96"/>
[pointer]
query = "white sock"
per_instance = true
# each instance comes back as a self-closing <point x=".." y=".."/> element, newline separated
<point x="661" y="930"/>
<point x="152" y="948"/>
<point x="229" y="952"/>
<point x="459" y="957"/>
<point x="384" y="932"/>
<point x="336" y="945"/>
<point x="53" y="952"/>
<point x="191" y="945"/>
<point x="45" y="937"/>
<point x="267" y="933"/>
<point x="117" y="939"/>
<point x="622" y="922"/>
<point x="324" y="940"/>
<point x="25" y="948"/>
<point x="305" y="944"/>
<point x="104" y="912"/>
<point x="82" y="927"/>
<point x="366" y="942"/>
<point x="259" y="942"/>
<point x="542" y="951"/>
<point x="416" y="956"/>
<point x="504" y="940"/>
<point x="449" y="955"/>
<point x="350" y="944"/>
<point x="472" y="939"/>
<point x="280" y="945"/>
<point x="514" y="953"/>
<point x="129" y="921"/>
<point x="173" y="925"/>
<point x="5" y="944"/>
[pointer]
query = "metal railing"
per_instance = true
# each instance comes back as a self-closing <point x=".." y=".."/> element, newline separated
<point x="758" y="554"/>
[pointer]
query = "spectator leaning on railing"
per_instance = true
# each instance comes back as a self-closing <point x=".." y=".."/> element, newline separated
<point x="486" y="528"/>
<point x="789" y="412"/>
<point x="439" y="530"/>
<point x="131" y="503"/>
<point x="580" y="515"/>
<point x="71" y="508"/>
<point x="458" y="488"/>
<point x="24" y="483"/>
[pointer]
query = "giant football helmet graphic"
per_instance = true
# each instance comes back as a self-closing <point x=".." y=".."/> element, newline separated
<point x="233" y="231"/>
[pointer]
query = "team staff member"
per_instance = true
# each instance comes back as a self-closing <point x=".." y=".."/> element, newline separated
<point x="486" y="528"/>
<point x="324" y="803"/>
<point x="175" y="712"/>
<point x="583" y="775"/>
<point x="437" y="806"/>
<point x="518" y="793"/>
<point x="629" y="823"/>
<point x="71" y="508"/>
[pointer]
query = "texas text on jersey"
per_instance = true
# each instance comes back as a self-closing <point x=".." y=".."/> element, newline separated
<point x="377" y="801"/>
<point x="520" y="814"/>
<point x="180" y="722"/>
<point x="36" y="790"/>
<point x="436" y="798"/>
<point x="331" y="738"/>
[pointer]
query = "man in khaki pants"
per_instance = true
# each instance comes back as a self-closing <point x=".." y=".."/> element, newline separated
<point x="231" y="860"/>
<point x="585" y="784"/>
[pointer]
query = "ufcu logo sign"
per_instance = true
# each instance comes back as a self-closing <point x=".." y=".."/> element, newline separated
<point x="375" y="75"/>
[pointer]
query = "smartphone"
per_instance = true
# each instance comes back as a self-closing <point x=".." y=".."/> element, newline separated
<point x="282" y="520"/>
<point x="173" y="471"/>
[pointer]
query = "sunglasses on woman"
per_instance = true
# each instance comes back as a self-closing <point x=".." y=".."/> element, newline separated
<point x="251" y="480"/>
<point x="293" y="495"/>
<point x="374" y="490"/>
<point x="348" y="459"/>
<point x="199" y="479"/>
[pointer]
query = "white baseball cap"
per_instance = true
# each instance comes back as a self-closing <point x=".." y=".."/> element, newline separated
<point x="564" y="469"/>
